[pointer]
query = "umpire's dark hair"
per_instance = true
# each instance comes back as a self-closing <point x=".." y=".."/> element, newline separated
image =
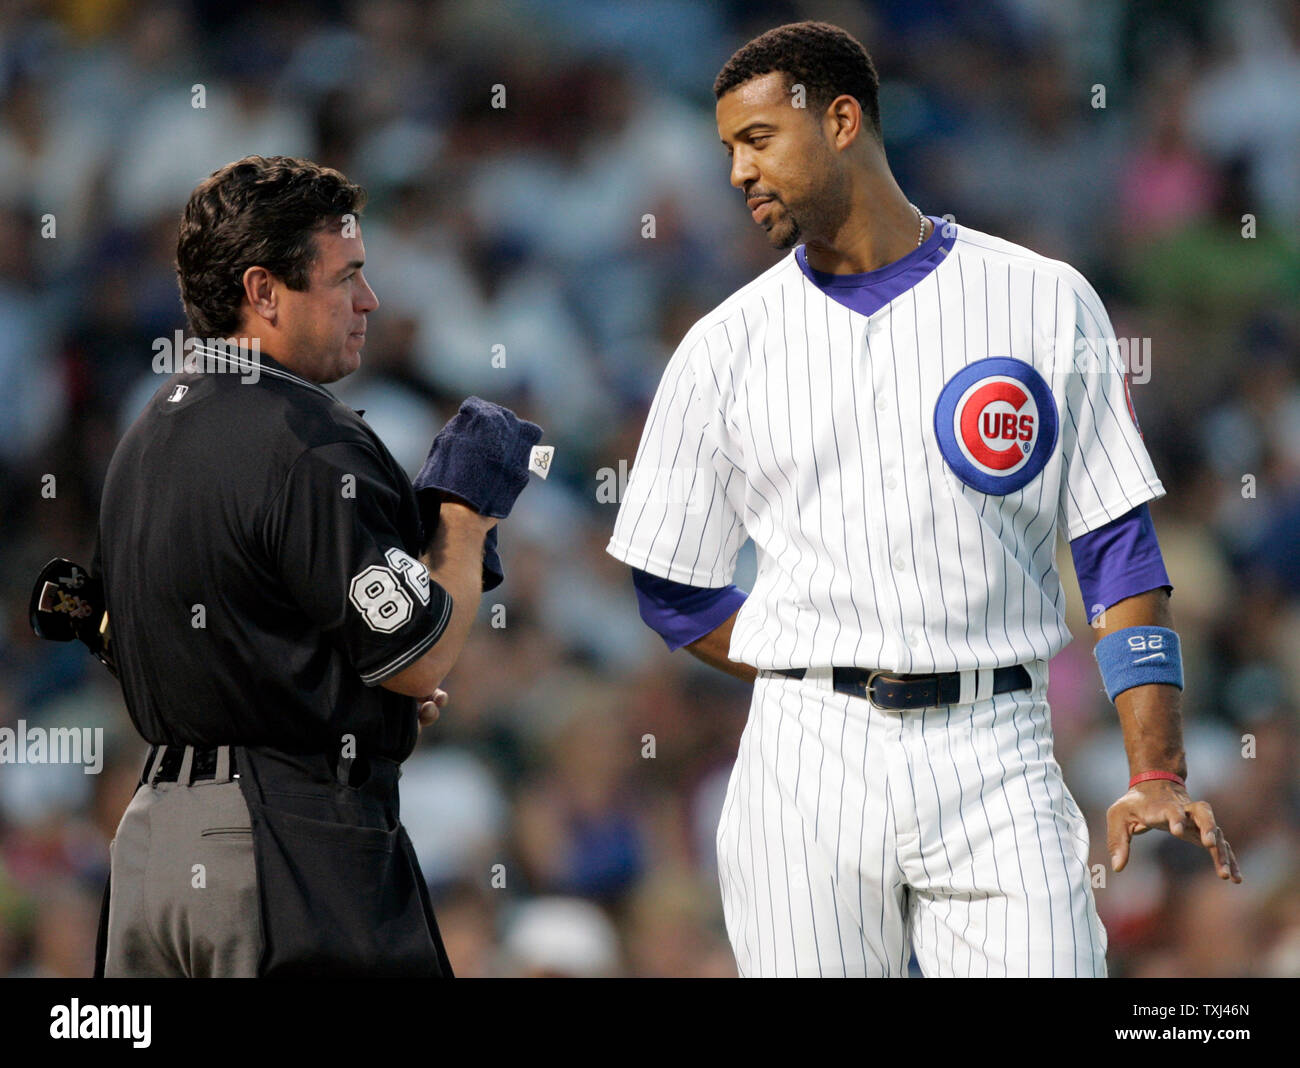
<point x="825" y="60"/>
<point x="256" y="212"/>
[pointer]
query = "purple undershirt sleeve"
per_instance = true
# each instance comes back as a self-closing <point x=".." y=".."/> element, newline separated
<point x="679" y="613"/>
<point x="1118" y="560"/>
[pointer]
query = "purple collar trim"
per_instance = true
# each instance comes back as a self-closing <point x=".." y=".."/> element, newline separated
<point x="870" y="291"/>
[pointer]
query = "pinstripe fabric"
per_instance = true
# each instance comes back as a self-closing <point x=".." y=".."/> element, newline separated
<point x="959" y="842"/>
<point x="851" y="837"/>
<point x="807" y="427"/>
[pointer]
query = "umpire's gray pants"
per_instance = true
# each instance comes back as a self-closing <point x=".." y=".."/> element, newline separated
<point x="183" y="899"/>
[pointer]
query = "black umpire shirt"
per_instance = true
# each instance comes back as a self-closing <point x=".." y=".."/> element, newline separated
<point x="258" y="548"/>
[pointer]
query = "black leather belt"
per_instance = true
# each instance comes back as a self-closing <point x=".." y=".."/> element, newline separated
<point x="169" y="767"/>
<point x="886" y="689"/>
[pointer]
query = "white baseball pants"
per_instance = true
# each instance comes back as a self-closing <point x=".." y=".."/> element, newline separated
<point x="851" y="835"/>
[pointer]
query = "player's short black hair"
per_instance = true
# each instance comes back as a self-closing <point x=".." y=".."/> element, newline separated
<point x="825" y="60"/>
<point x="256" y="212"/>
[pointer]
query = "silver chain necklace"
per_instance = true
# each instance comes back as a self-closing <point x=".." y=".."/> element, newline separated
<point x="920" y="234"/>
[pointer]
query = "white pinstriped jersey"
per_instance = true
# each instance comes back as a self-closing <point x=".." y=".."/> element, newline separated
<point x="786" y="417"/>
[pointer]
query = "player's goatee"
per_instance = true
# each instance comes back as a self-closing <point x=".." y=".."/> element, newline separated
<point x="786" y="240"/>
<point x="786" y="235"/>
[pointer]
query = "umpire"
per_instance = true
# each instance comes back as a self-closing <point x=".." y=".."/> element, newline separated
<point x="279" y="627"/>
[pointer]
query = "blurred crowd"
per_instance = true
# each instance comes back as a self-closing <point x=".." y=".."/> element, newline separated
<point x="549" y="254"/>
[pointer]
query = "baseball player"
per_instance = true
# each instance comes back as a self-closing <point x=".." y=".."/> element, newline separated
<point x="279" y="617"/>
<point x="901" y="414"/>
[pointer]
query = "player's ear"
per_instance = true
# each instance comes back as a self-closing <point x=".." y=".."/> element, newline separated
<point x="843" y="121"/>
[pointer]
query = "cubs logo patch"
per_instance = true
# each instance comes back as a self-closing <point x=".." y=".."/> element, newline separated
<point x="996" y="423"/>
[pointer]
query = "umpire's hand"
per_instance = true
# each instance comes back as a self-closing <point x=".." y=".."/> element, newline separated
<point x="429" y="707"/>
<point x="1166" y="806"/>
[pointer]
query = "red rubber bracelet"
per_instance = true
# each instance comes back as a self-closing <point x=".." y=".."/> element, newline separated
<point x="1147" y="776"/>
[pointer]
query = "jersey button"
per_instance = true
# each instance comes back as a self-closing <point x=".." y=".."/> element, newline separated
<point x="913" y="640"/>
<point x="891" y="483"/>
<point x="899" y="565"/>
<point x="882" y="403"/>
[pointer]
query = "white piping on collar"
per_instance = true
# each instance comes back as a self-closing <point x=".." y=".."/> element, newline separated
<point x="263" y="369"/>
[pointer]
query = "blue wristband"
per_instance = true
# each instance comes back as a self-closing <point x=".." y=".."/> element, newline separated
<point x="1136" y="656"/>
